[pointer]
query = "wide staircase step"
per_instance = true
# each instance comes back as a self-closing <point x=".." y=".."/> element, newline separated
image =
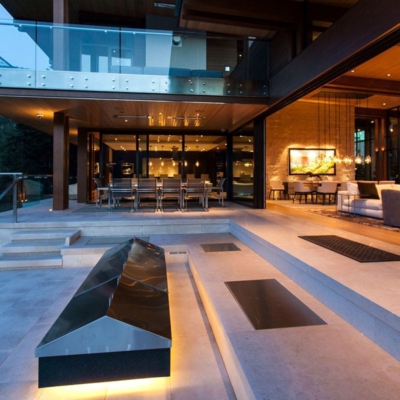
<point x="35" y="246"/>
<point x="36" y="249"/>
<point x="69" y="236"/>
<point x="31" y="261"/>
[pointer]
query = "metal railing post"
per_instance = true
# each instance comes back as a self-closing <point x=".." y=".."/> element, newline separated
<point x="15" y="195"/>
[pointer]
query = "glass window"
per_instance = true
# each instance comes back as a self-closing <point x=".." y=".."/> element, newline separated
<point x="205" y="157"/>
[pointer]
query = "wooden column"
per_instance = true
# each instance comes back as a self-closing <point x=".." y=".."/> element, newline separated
<point x="83" y="163"/>
<point x="259" y="183"/>
<point x="60" y="161"/>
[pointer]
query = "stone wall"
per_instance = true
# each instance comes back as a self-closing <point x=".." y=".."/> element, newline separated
<point x="309" y="125"/>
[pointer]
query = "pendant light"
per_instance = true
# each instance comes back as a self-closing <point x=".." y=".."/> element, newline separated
<point x="197" y="157"/>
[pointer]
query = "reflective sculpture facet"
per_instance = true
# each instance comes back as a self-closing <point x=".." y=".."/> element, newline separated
<point x="116" y="326"/>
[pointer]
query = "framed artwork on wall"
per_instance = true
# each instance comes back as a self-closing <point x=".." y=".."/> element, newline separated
<point x="312" y="162"/>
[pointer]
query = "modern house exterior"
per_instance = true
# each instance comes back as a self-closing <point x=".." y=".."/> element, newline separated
<point x="190" y="87"/>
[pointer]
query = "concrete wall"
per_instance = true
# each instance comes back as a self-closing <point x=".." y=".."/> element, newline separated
<point x="301" y="125"/>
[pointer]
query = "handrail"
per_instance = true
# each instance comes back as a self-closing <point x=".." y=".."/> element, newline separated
<point x="17" y="176"/>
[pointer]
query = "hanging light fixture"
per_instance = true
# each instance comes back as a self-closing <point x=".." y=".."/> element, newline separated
<point x="368" y="158"/>
<point x="162" y="161"/>
<point x="197" y="157"/>
<point x="150" y="162"/>
<point x="347" y="159"/>
<point x="358" y="159"/>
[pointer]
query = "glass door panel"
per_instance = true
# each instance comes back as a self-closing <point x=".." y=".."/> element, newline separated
<point x="205" y="157"/>
<point x="243" y="166"/>
<point x="165" y="156"/>
<point x="119" y="156"/>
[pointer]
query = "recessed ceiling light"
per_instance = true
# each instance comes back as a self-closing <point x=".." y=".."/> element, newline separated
<point x="388" y="74"/>
<point x="353" y="70"/>
<point x="39" y="116"/>
<point x="384" y="104"/>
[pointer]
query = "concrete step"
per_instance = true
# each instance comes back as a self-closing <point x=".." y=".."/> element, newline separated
<point x="33" y="246"/>
<point x="31" y="261"/>
<point x="70" y="235"/>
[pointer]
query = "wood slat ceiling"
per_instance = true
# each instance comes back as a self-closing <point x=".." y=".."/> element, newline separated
<point x="378" y="77"/>
<point x="95" y="114"/>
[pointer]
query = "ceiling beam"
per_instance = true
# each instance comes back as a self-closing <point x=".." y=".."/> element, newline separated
<point x="344" y="46"/>
<point x="237" y="20"/>
<point x="366" y="85"/>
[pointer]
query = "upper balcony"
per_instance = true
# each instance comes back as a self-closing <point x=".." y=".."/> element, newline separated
<point x="81" y="58"/>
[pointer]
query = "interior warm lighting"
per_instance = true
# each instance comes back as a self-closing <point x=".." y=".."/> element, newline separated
<point x="133" y="116"/>
<point x="358" y="159"/>
<point x="39" y="116"/>
<point x="368" y="160"/>
<point x="388" y="74"/>
<point x="353" y="70"/>
<point x="131" y="388"/>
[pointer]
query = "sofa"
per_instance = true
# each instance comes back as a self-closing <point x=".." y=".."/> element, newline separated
<point x="364" y="198"/>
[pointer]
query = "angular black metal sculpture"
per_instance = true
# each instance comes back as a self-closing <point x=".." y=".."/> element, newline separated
<point x="117" y="325"/>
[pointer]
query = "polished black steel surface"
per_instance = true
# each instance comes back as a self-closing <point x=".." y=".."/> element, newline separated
<point x="109" y="267"/>
<point x="213" y="247"/>
<point x="142" y="306"/>
<point x="103" y="367"/>
<point x="146" y="263"/>
<point x="122" y="306"/>
<point x="269" y="305"/>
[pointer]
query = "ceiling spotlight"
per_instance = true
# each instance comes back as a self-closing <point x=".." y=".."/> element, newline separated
<point x="39" y="116"/>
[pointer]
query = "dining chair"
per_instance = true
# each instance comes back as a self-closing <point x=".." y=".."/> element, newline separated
<point x="101" y="192"/>
<point x="195" y="188"/>
<point x="218" y="191"/>
<point x="327" y="189"/>
<point x="121" y="188"/>
<point x="146" y="188"/>
<point x="276" y="186"/>
<point x="301" y="190"/>
<point x="171" y="189"/>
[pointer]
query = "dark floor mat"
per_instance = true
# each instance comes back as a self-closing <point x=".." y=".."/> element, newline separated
<point x="212" y="247"/>
<point x="357" y="251"/>
<point x="269" y="305"/>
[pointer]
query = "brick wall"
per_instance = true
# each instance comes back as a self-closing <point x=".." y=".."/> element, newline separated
<point x="309" y="124"/>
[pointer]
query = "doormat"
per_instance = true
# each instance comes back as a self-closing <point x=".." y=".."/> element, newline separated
<point x="357" y="251"/>
<point x="269" y="305"/>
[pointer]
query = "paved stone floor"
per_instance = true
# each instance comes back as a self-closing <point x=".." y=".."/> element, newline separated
<point x="31" y="300"/>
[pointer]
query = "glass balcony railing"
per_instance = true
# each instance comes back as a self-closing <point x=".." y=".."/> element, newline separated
<point x="70" y="57"/>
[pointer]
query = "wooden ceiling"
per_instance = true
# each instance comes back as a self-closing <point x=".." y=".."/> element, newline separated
<point x="96" y="114"/>
<point x="379" y="78"/>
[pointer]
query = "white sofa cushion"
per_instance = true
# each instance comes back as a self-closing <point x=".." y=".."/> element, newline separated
<point x="352" y="188"/>
<point x="386" y="186"/>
